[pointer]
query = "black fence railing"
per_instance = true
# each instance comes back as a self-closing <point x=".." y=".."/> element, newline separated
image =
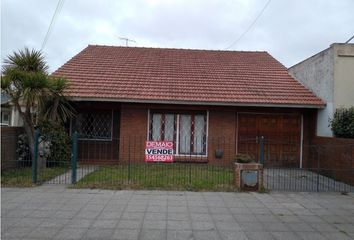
<point x="119" y="163"/>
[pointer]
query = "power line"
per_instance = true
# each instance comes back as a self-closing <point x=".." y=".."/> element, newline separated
<point x="56" y="13"/>
<point x="250" y="26"/>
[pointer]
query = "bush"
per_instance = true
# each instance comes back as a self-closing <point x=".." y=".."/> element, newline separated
<point x="23" y="151"/>
<point x="243" y="158"/>
<point x="342" y="123"/>
<point x="57" y="140"/>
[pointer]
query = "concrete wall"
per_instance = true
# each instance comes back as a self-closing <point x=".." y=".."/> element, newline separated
<point x="343" y="75"/>
<point x="316" y="73"/>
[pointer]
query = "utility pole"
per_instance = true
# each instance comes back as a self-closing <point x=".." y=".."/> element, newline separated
<point x="127" y="40"/>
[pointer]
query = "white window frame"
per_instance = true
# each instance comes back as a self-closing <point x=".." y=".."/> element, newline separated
<point x="95" y="139"/>
<point x="177" y="154"/>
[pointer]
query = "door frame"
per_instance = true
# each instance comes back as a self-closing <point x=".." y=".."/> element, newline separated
<point x="265" y="113"/>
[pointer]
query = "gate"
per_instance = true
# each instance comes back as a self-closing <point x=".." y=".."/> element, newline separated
<point x="54" y="162"/>
<point x="315" y="168"/>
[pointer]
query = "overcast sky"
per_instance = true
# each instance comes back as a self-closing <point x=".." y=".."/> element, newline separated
<point x="289" y="30"/>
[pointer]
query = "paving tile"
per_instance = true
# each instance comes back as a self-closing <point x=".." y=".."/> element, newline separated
<point x="109" y="215"/>
<point x="285" y="235"/>
<point x="151" y="224"/>
<point x="80" y="223"/>
<point x="126" y="234"/>
<point x="43" y="233"/>
<point x="198" y="209"/>
<point x="71" y="233"/>
<point x="64" y="214"/>
<point x="132" y="215"/>
<point x="179" y="225"/>
<point x="199" y="225"/>
<point x="99" y="233"/>
<point x="17" y="232"/>
<point x="245" y="218"/>
<point x="179" y="234"/>
<point x="251" y="226"/>
<point x="178" y="216"/>
<point x="345" y="227"/>
<point x="53" y="222"/>
<point x="104" y="223"/>
<point x="311" y="236"/>
<point x="152" y="234"/>
<point x="155" y="216"/>
<point x="130" y="224"/>
<point x="254" y="235"/>
<point x="229" y="225"/>
<point x="233" y="235"/>
<point x="206" y="235"/>
<point x="200" y="217"/>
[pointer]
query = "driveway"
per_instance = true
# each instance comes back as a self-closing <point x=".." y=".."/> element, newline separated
<point x="56" y="212"/>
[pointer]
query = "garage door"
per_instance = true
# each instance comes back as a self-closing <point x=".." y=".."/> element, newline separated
<point x="282" y="136"/>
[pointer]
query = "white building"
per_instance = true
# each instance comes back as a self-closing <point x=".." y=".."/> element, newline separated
<point x="330" y="75"/>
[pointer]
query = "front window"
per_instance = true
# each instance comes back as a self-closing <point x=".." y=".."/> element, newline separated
<point x="187" y="131"/>
<point x="93" y="125"/>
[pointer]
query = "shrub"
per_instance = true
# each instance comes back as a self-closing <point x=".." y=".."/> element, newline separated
<point x="23" y="151"/>
<point x="243" y="158"/>
<point x="57" y="139"/>
<point x="342" y="123"/>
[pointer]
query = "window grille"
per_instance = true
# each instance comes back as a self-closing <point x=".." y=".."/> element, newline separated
<point x="188" y="138"/>
<point x="94" y="125"/>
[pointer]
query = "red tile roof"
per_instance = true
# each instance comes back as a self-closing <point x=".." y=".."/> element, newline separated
<point x="182" y="75"/>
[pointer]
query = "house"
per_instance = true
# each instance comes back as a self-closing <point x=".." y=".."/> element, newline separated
<point x="211" y="104"/>
<point x="9" y="115"/>
<point x="330" y="75"/>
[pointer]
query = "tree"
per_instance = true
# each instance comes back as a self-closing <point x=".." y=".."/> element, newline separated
<point x="25" y="79"/>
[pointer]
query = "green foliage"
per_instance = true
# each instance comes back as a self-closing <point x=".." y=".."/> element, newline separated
<point x="23" y="152"/>
<point x="342" y="123"/>
<point x="190" y="177"/>
<point x="58" y="141"/>
<point x="243" y="158"/>
<point x="22" y="177"/>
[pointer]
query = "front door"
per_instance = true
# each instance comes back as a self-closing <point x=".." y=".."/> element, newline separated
<point x="281" y="134"/>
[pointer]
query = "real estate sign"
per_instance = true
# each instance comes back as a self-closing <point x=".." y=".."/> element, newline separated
<point x="158" y="151"/>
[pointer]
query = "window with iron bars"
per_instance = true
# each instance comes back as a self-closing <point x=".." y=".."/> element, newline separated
<point x="93" y="125"/>
<point x="187" y="131"/>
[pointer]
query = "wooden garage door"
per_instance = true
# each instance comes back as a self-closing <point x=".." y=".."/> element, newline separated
<point x="282" y="134"/>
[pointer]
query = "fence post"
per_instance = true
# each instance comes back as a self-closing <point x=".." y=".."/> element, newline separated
<point x="74" y="158"/>
<point x="261" y="160"/>
<point x="35" y="157"/>
<point x="318" y="168"/>
<point x="129" y="161"/>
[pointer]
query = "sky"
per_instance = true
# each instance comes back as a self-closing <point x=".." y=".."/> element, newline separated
<point x="290" y="31"/>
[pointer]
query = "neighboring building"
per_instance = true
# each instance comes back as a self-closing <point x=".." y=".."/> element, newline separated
<point x="9" y="115"/>
<point x="206" y="102"/>
<point x="330" y="75"/>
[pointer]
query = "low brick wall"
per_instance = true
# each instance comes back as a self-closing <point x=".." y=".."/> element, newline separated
<point x="239" y="167"/>
<point x="335" y="158"/>
<point x="9" y="138"/>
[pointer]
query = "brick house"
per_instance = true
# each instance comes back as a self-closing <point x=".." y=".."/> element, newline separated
<point x="211" y="104"/>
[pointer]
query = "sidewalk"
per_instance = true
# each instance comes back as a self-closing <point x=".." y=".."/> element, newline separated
<point x="55" y="212"/>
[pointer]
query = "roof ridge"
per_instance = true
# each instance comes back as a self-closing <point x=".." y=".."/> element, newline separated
<point x="171" y="48"/>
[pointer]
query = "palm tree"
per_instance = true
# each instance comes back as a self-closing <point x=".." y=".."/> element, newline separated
<point x="25" y="79"/>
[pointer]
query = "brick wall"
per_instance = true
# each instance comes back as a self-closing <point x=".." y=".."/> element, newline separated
<point x="334" y="157"/>
<point x="133" y="132"/>
<point x="9" y="138"/>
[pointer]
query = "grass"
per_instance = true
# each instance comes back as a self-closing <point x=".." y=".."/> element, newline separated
<point x="191" y="177"/>
<point x="22" y="177"/>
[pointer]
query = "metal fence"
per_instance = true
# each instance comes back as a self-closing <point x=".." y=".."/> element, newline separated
<point x="118" y="163"/>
